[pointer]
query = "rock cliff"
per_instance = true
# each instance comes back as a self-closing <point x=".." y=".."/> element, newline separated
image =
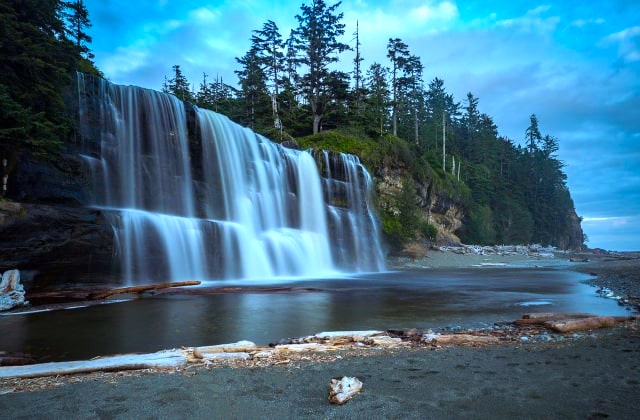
<point x="434" y="207"/>
<point x="55" y="244"/>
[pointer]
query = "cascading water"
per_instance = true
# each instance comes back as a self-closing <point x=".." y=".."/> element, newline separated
<point x="196" y="196"/>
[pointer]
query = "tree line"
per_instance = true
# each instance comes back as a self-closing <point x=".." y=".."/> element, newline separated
<point x="287" y="88"/>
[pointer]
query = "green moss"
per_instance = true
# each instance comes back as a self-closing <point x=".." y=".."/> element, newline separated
<point x="373" y="152"/>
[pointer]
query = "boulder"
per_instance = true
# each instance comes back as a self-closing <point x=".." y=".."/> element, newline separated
<point x="11" y="291"/>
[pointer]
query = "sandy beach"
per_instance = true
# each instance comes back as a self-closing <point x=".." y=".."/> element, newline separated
<point x="587" y="375"/>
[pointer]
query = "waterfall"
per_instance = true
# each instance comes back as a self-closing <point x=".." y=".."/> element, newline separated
<point x="195" y="196"/>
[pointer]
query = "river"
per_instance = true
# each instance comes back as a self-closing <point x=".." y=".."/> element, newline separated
<point x="437" y="299"/>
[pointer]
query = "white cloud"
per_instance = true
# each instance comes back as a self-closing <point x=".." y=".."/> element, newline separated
<point x="400" y="19"/>
<point x="614" y="233"/>
<point x="204" y="15"/>
<point x="124" y="60"/>
<point x="425" y="14"/>
<point x="628" y="42"/>
<point x="580" y="23"/>
<point x="625" y="34"/>
<point x="611" y="221"/>
<point x="533" y="21"/>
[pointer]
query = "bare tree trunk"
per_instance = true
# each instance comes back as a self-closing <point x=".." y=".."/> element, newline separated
<point x="316" y="123"/>
<point x="444" y="130"/>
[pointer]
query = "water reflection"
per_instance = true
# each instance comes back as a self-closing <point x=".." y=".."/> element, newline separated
<point x="421" y="299"/>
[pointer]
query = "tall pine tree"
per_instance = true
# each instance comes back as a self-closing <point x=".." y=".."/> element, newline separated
<point x="317" y="46"/>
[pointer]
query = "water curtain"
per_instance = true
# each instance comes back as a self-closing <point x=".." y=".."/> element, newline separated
<point x="193" y="195"/>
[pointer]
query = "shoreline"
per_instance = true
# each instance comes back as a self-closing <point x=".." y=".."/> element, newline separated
<point x="592" y="376"/>
<point x="597" y="369"/>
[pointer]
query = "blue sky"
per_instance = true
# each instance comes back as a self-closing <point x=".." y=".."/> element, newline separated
<point x="575" y="64"/>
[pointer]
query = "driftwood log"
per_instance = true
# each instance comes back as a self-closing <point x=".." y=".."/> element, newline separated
<point x="141" y="289"/>
<point x="543" y="318"/>
<point x="584" y="324"/>
<point x="342" y="390"/>
<point x="89" y="294"/>
<point x="15" y="359"/>
<point x="565" y="323"/>
<point x="462" y="339"/>
<point x="555" y="315"/>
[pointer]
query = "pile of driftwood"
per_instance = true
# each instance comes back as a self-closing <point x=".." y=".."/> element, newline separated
<point x="248" y="354"/>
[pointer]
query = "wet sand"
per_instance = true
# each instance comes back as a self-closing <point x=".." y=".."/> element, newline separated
<point x="592" y="375"/>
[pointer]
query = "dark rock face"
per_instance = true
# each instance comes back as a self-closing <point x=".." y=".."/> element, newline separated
<point x="63" y="181"/>
<point x="54" y="245"/>
<point x="575" y="237"/>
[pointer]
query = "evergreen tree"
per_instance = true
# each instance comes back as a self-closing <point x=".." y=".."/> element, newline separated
<point x="36" y="63"/>
<point x="338" y="93"/>
<point x="254" y="91"/>
<point x="438" y="103"/>
<point x="269" y="48"/>
<point x="398" y="53"/>
<point x="225" y="99"/>
<point x="378" y="95"/>
<point x="357" y="73"/>
<point x="412" y="93"/>
<point x="78" y="18"/>
<point x="317" y="46"/>
<point x="204" y="97"/>
<point x="471" y="127"/>
<point x="532" y="135"/>
<point x="179" y="85"/>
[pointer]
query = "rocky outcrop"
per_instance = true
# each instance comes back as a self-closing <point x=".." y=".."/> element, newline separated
<point x="62" y="181"/>
<point x="445" y="214"/>
<point x="575" y="237"/>
<point x="435" y="208"/>
<point x="52" y="244"/>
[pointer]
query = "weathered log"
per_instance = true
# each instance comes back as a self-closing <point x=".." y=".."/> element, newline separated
<point x="584" y="324"/>
<point x="342" y="390"/>
<point x="158" y="360"/>
<point x="16" y="360"/>
<point x="141" y="289"/>
<point x="297" y="348"/>
<point x="60" y="294"/>
<point x="86" y="294"/>
<point x="461" y="339"/>
<point x="533" y="321"/>
<point x="543" y="317"/>
<point x="556" y="315"/>
<point x="239" y="347"/>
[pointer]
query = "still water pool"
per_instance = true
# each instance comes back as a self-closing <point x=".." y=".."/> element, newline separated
<point x="402" y="299"/>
